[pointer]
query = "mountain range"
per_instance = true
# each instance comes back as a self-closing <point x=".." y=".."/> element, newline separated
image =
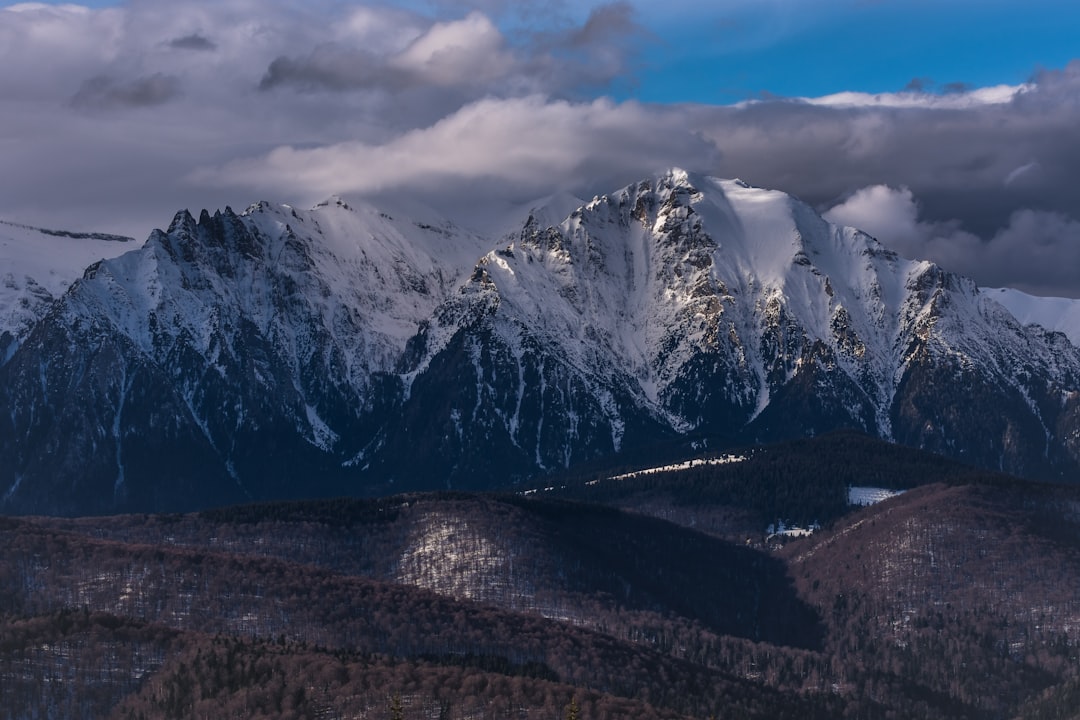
<point x="359" y="350"/>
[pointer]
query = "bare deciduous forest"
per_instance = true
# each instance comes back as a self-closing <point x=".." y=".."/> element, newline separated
<point x="956" y="599"/>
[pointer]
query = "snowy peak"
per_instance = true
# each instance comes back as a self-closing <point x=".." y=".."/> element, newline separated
<point x="370" y="348"/>
<point x="709" y="305"/>
<point x="357" y="274"/>
<point x="677" y="265"/>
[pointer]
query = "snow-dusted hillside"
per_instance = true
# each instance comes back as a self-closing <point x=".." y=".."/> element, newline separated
<point x="280" y="352"/>
<point x="1055" y="314"/>
<point x="36" y="267"/>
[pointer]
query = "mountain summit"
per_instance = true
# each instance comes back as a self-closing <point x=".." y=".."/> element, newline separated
<point x="280" y="353"/>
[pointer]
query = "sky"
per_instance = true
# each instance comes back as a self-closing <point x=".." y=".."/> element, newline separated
<point x="949" y="129"/>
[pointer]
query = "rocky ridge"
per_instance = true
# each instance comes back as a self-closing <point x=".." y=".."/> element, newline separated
<point x="350" y="350"/>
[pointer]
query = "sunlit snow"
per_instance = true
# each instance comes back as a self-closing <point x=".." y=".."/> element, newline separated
<point x="1055" y="314"/>
<point x="864" y="496"/>
<point x="37" y="266"/>
<point x="677" y="467"/>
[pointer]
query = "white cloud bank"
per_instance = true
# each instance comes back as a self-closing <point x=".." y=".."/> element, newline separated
<point x="521" y="146"/>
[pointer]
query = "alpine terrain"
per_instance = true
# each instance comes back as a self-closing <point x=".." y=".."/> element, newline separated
<point x="279" y="353"/>
<point x="36" y="267"/>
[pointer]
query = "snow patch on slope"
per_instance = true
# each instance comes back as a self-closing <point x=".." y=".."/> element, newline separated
<point x="37" y="266"/>
<point x="863" y="496"/>
<point x="676" y="467"/>
<point x="1055" y="314"/>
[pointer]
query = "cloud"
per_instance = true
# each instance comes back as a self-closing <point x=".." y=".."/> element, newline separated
<point x="1036" y="251"/>
<point x="611" y="22"/>
<point x="451" y="53"/>
<point x="1019" y="173"/>
<point x="102" y="92"/>
<point x="893" y="216"/>
<point x="919" y="98"/>
<point x="955" y="158"/>
<point x="194" y="41"/>
<point x="115" y="118"/>
<point x="464" y="53"/>
<point x="43" y="47"/>
<point x="889" y="214"/>
<point x="521" y="146"/>
<point x="524" y="13"/>
<point x="601" y="51"/>
<point x="330" y="67"/>
<point x="470" y="54"/>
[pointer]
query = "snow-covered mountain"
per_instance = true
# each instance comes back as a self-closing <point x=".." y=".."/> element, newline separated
<point x="695" y="305"/>
<point x="231" y="357"/>
<point x="279" y="353"/>
<point x="36" y="267"/>
<point x="1056" y="314"/>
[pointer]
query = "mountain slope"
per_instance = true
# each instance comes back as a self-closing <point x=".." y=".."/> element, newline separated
<point x="240" y="595"/>
<point x="38" y="266"/>
<point x="1054" y="314"/>
<point x="278" y="353"/>
<point x="568" y="561"/>
<point x="698" y="306"/>
<point x="949" y="601"/>
<point x="965" y="590"/>
<point x="228" y="351"/>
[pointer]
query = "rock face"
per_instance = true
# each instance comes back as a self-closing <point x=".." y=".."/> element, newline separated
<point x="279" y="353"/>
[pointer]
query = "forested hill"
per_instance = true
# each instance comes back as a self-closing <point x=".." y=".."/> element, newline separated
<point x="736" y="493"/>
<point x="952" y="600"/>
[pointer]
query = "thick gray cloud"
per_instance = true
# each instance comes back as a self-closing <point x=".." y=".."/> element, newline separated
<point x="194" y="41"/>
<point x="1036" y="251"/>
<point x="601" y="52"/>
<point x="330" y="67"/>
<point x="519" y="147"/>
<point x="470" y="55"/>
<point x="975" y="163"/>
<point x="116" y="118"/>
<point x="607" y="22"/>
<point x="102" y="92"/>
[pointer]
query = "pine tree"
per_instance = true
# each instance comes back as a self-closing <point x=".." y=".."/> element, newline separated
<point x="572" y="710"/>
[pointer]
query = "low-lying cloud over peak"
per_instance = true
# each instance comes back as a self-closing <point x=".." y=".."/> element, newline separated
<point x="1035" y="251"/>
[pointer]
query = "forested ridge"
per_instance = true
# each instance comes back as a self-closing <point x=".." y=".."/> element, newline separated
<point x="956" y="599"/>
<point x="801" y="482"/>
